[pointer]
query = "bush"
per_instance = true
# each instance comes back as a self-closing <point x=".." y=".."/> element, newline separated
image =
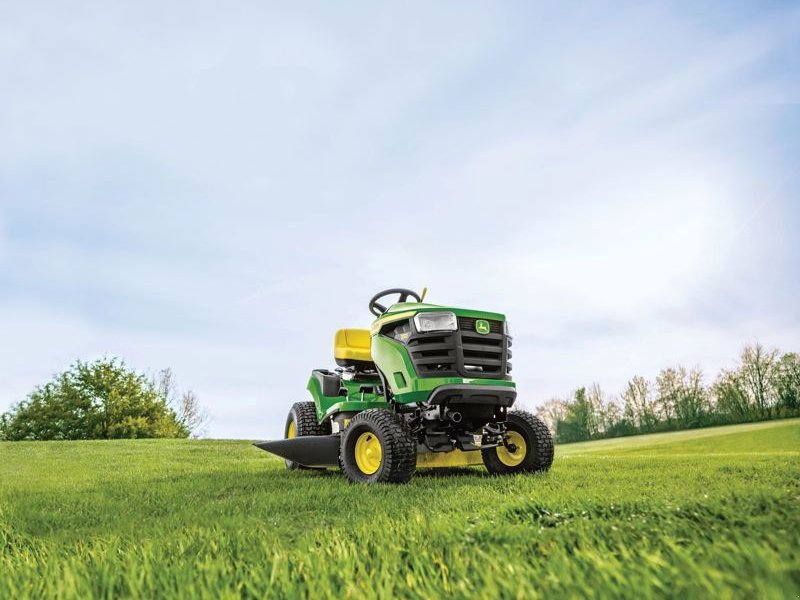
<point x="99" y="400"/>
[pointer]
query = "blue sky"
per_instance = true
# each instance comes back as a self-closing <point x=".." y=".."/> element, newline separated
<point x="217" y="189"/>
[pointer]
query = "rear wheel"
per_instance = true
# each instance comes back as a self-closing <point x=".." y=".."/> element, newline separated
<point x="302" y="420"/>
<point x="377" y="446"/>
<point x="529" y="446"/>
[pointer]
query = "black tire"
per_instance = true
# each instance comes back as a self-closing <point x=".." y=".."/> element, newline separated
<point x="538" y="454"/>
<point x="304" y="417"/>
<point x="398" y="459"/>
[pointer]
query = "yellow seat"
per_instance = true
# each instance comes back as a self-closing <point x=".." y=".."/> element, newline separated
<point x="352" y="347"/>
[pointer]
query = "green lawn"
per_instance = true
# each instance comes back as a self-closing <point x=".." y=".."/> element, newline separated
<point x="709" y="513"/>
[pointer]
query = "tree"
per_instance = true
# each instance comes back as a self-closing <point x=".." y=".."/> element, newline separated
<point x="692" y="401"/>
<point x="668" y="385"/>
<point x="758" y="371"/>
<point x="639" y="407"/>
<point x="731" y="399"/>
<point x="681" y="396"/>
<point x="185" y="404"/>
<point x="751" y="389"/>
<point x="787" y="381"/>
<point x="613" y="417"/>
<point x="577" y="425"/>
<point x="605" y="413"/>
<point x="551" y="412"/>
<point x="764" y="384"/>
<point x="99" y="400"/>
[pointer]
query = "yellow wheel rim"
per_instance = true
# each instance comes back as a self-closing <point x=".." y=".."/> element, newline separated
<point x="512" y="459"/>
<point x="368" y="453"/>
<point x="291" y="431"/>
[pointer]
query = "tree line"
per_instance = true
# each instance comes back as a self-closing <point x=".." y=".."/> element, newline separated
<point x="104" y="399"/>
<point x="765" y="384"/>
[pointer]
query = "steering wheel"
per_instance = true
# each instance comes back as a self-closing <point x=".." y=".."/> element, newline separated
<point x="378" y="309"/>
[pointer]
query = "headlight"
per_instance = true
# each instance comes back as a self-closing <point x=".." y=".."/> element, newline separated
<point x="433" y="321"/>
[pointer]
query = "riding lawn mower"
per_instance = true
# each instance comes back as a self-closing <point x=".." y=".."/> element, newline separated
<point x="425" y="386"/>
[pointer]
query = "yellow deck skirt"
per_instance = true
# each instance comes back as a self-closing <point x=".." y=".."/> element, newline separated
<point x="454" y="458"/>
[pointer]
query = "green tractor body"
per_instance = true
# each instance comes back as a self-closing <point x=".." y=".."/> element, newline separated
<point x="425" y="386"/>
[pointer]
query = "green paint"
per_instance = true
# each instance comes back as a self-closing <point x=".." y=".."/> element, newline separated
<point x="354" y="401"/>
<point x="392" y="358"/>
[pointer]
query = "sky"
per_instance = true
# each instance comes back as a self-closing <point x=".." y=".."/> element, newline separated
<point x="217" y="189"/>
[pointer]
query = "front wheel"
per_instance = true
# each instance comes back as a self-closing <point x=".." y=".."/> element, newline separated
<point x="302" y="420"/>
<point x="377" y="446"/>
<point x="529" y="446"/>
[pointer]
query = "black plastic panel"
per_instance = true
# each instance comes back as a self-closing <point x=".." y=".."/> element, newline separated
<point x="462" y="353"/>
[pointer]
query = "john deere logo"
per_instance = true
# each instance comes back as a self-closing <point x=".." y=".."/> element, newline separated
<point x="482" y="326"/>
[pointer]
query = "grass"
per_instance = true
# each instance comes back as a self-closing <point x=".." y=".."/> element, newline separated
<point x="704" y="513"/>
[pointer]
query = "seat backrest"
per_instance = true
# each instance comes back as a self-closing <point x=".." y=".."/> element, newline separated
<point x="352" y="345"/>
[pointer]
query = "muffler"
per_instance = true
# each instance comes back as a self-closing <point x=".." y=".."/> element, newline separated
<point x="453" y="415"/>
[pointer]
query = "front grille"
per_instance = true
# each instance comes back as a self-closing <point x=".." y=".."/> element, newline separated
<point x="462" y="353"/>
<point x="483" y="354"/>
